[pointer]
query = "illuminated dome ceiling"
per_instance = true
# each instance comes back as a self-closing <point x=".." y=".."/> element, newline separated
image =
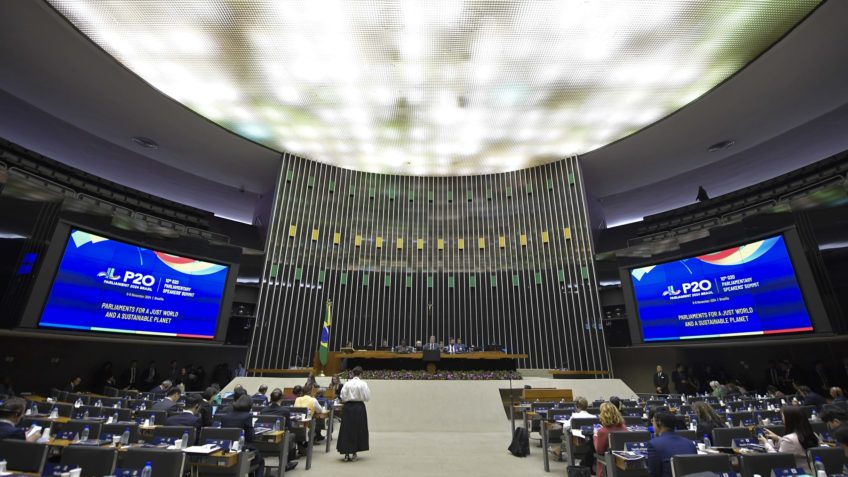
<point x="434" y="87"/>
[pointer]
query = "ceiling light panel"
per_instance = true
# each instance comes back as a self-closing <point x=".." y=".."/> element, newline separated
<point x="434" y="87"/>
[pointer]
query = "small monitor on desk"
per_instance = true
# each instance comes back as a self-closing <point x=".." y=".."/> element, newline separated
<point x="494" y="347"/>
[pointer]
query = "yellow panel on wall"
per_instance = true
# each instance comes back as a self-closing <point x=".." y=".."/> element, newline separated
<point x="523" y="240"/>
<point x="481" y="242"/>
<point x="292" y="230"/>
<point x="379" y="242"/>
<point x="314" y="235"/>
<point x="337" y="238"/>
<point x="566" y="232"/>
<point x="441" y="244"/>
<point x="502" y="241"/>
<point x="461" y="244"/>
<point x="545" y="236"/>
<point x="420" y="244"/>
<point x="357" y="240"/>
<point x="399" y="243"/>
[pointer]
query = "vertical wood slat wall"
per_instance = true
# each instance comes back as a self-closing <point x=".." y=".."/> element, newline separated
<point x="353" y="237"/>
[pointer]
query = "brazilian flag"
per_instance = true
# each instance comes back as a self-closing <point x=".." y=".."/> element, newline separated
<point x="324" y="349"/>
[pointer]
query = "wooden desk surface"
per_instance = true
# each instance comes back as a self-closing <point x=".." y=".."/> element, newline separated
<point x="420" y="355"/>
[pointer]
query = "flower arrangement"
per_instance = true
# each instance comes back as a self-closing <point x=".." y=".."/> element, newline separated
<point x="421" y="375"/>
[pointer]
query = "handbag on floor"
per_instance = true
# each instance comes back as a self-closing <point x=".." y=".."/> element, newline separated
<point x="520" y="445"/>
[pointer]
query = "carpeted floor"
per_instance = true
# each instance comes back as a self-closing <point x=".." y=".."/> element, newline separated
<point x="440" y="428"/>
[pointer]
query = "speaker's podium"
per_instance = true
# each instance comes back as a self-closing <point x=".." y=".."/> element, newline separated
<point x="431" y="357"/>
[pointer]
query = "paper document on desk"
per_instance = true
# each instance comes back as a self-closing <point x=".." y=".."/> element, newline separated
<point x="204" y="449"/>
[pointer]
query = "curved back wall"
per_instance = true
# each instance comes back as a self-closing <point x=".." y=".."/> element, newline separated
<point x="497" y="259"/>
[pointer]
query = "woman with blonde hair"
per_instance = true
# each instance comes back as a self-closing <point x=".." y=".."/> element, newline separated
<point x="611" y="421"/>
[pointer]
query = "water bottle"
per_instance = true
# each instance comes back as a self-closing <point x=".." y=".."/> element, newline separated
<point x="814" y="416"/>
<point x="147" y="471"/>
<point x="241" y="441"/>
<point x="116" y="417"/>
<point x="116" y="405"/>
<point x="54" y="413"/>
<point x="277" y="426"/>
<point x="125" y="437"/>
<point x="820" y="471"/>
<point x="184" y="441"/>
<point x="729" y="421"/>
<point x="78" y="403"/>
<point x="84" y="433"/>
<point x="759" y="419"/>
<point x="33" y="410"/>
<point x="85" y="414"/>
<point x="692" y="425"/>
<point x="99" y="403"/>
<point x="706" y="441"/>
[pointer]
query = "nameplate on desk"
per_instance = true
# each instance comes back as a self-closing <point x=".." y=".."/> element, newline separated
<point x="261" y="430"/>
<point x="792" y="472"/>
<point x="559" y="417"/>
<point x="743" y="441"/>
<point x="224" y="444"/>
<point x="204" y="449"/>
<point x="749" y="422"/>
<point x="636" y="446"/>
<point x="66" y="435"/>
<point x="164" y="440"/>
<point x="51" y="470"/>
<point x="92" y="442"/>
<point x="127" y="473"/>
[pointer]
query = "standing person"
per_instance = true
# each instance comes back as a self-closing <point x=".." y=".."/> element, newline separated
<point x="680" y="380"/>
<point x="129" y="380"/>
<point x="240" y="371"/>
<point x="149" y="375"/>
<point x="661" y="381"/>
<point x="353" y="432"/>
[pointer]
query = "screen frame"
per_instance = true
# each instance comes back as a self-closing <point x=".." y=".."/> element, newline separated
<point x="50" y="268"/>
<point x="803" y="275"/>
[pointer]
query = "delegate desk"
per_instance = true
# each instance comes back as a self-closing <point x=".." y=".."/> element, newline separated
<point x="491" y="360"/>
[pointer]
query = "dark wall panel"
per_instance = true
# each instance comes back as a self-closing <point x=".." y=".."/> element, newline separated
<point x="498" y="259"/>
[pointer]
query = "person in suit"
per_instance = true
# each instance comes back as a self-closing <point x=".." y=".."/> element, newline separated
<point x="841" y="437"/>
<point x="707" y="419"/>
<point x="74" y="385"/>
<point x="660" y="381"/>
<point x="241" y="418"/>
<point x="206" y="406"/>
<point x="680" y="380"/>
<point x="189" y="417"/>
<point x="275" y="408"/>
<point x="260" y="398"/>
<point x="161" y="389"/>
<point x="451" y="348"/>
<point x="431" y="344"/>
<point x="834" y="416"/>
<point x="611" y="421"/>
<point x="149" y="377"/>
<point x="460" y="348"/>
<point x="129" y="379"/>
<point x="838" y="397"/>
<point x="798" y="438"/>
<point x="169" y="403"/>
<point x="11" y="412"/>
<point x="810" y="397"/>
<point x="666" y="445"/>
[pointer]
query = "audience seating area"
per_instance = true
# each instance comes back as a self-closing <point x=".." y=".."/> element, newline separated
<point x="148" y="439"/>
<point x="747" y="414"/>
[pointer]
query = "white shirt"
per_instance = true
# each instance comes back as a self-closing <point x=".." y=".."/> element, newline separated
<point x="355" y="390"/>
<point x="580" y="413"/>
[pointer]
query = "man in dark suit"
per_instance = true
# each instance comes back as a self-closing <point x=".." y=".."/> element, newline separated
<point x="660" y="381"/>
<point x="241" y="418"/>
<point x="275" y="408"/>
<point x="666" y="445"/>
<point x="74" y="385"/>
<point x="11" y="412"/>
<point x="170" y="402"/>
<point x="432" y="345"/>
<point x="190" y="417"/>
<point x="260" y="398"/>
<point x="149" y="377"/>
<point x="129" y="380"/>
<point x="810" y="398"/>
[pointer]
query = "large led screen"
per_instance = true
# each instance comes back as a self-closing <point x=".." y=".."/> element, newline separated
<point x="739" y="291"/>
<point x="111" y="286"/>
